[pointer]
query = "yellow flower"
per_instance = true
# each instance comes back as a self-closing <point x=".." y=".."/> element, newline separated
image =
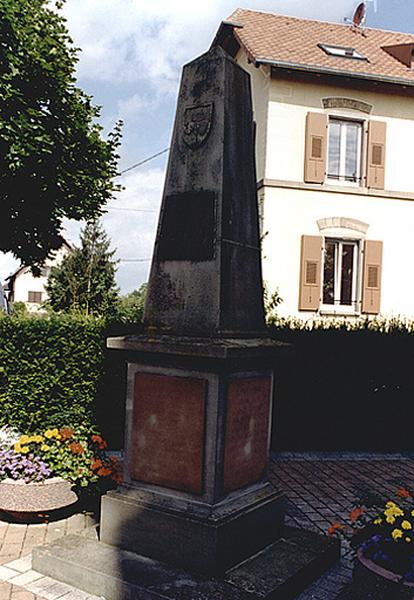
<point x="412" y="513"/>
<point x="24" y="439"/>
<point x="24" y="449"/>
<point x="390" y="519"/>
<point x="44" y="447"/>
<point x="51" y="433"/>
<point x="38" y="439"/>
<point x="17" y="447"/>
<point x="406" y="525"/>
<point x="397" y="534"/>
<point x="408" y="540"/>
<point x="378" y="521"/>
<point x="390" y="504"/>
<point x="394" y="511"/>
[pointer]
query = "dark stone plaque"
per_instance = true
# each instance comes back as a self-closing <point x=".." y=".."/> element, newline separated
<point x="188" y="227"/>
<point x="168" y="431"/>
<point x="247" y="431"/>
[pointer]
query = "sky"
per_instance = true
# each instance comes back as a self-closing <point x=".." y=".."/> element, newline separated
<point x="132" y="53"/>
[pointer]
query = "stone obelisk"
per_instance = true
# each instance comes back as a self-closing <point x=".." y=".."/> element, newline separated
<point x="201" y="380"/>
<point x="196" y="497"/>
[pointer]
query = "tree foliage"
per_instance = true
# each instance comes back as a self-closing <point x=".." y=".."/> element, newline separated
<point x="130" y="308"/>
<point x="85" y="279"/>
<point x="54" y="162"/>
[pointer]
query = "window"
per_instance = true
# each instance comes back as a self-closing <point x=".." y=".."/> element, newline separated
<point x="340" y="273"/>
<point x="35" y="297"/>
<point x="344" y="150"/>
<point x="342" y="51"/>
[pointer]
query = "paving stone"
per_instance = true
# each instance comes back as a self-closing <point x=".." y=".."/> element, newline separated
<point x="6" y="573"/>
<point x="24" y="579"/>
<point x="5" y="590"/>
<point x="22" y="564"/>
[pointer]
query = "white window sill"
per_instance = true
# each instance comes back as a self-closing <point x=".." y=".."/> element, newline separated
<point x="340" y="311"/>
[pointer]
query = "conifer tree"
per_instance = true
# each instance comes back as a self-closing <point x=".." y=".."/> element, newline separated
<point x="85" y="280"/>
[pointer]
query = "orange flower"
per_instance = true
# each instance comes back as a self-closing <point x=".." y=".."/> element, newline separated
<point x="403" y="493"/>
<point x="76" y="448"/>
<point x="66" y="433"/>
<point x="104" y="472"/>
<point x="97" y="439"/>
<point x="96" y="464"/>
<point x="332" y="529"/>
<point x="356" y="513"/>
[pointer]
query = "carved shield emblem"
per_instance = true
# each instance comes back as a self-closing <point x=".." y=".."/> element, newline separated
<point x="197" y="124"/>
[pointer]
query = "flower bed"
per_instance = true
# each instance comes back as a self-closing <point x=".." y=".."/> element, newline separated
<point x="383" y="536"/>
<point x="41" y="471"/>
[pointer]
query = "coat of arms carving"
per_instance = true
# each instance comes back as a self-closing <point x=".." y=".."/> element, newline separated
<point x="197" y="124"/>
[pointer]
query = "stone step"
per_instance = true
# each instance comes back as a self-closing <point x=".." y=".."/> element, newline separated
<point x="279" y="572"/>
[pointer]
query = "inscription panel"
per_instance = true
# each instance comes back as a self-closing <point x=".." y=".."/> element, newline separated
<point x="167" y="437"/>
<point x="247" y="431"/>
<point x="188" y="227"/>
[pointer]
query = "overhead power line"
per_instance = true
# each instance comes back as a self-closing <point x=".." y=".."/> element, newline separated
<point x="128" y="260"/>
<point x="148" y="210"/>
<point x="142" y="162"/>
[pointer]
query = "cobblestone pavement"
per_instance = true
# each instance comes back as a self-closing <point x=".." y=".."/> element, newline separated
<point x="324" y="487"/>
<point x="320" y="488"/>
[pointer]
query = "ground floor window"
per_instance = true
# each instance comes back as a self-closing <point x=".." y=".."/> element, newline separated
<point x="341" y="260"/>
<point x="35" y="297"/>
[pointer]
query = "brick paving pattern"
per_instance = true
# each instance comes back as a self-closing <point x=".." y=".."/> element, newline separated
<point x="320" y="488"/>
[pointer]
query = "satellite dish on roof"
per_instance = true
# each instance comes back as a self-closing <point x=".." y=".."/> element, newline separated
<point x="360" y="15"/>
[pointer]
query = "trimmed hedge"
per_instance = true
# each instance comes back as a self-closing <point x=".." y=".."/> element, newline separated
<point x="50" y="370"/>
<point x="348" y="385"/>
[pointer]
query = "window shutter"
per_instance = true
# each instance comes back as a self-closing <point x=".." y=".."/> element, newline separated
<point x="315" y="147"/>
<point x="310" y="273"/>
<point x="371" y="283"/>
<point x="377" y="132"/>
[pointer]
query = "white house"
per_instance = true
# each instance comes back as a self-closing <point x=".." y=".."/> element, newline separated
<point x="334" y="109"/>
<point x="23" y="286"/>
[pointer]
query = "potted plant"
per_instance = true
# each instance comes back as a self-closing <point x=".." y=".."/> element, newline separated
<point x="46" y="471"/>
<point x="382" y="536"/>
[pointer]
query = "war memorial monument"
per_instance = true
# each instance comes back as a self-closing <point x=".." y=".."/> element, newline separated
<point x="196" y="517"/>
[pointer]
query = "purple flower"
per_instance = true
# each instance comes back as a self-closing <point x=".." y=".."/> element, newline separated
<point x="28" y="468"/>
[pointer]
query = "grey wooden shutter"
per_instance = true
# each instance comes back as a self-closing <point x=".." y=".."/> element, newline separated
<point x="371" y="281"/>
<point x="377" y="133"/>
<point x="310" y="272"/>
<point x="315" y="147"/>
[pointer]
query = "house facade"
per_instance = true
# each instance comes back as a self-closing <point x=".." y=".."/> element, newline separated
<point x="24" y="287"/>
<point x="334" y="110"/>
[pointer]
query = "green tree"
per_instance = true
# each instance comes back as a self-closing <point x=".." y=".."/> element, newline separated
<point x="130" y="308"/>
<point x="85" y="279"/>
<point x="54" y="162"/>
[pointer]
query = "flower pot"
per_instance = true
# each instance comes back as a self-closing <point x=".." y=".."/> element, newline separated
<point x="378" y="583"/>
<point x="52" y="494"/>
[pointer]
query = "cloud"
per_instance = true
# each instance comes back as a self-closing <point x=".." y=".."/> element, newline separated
<point x="126" y="41"/>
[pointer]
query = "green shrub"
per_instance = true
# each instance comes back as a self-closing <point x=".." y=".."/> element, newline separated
<point x="50" y="369"/>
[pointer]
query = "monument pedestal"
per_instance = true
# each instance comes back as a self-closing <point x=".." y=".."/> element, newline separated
<point x="196" y="493"/>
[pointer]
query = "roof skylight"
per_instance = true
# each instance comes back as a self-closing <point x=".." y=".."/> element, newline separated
<point x="342" y="51"/>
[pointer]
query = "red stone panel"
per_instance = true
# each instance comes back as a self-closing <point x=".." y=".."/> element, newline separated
<point x="167" y="437"/>
<point x="247" y="431"/>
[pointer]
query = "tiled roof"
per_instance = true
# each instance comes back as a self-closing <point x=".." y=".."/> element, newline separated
<point x="282" y="39"/>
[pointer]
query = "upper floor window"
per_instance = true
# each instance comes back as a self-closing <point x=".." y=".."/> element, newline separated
<point x="334" y="148"/>
<point x="344" y="150"/>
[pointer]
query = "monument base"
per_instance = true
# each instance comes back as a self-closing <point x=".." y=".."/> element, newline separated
<point x="234" y="530"/>
<point x="282" y="570"/>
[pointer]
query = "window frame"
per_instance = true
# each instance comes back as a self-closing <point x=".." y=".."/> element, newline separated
<point x="34" y="293"/>
<point x="342" y="52"/>
<point x="361" y="166"/>
<point x="336" y="308"/>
